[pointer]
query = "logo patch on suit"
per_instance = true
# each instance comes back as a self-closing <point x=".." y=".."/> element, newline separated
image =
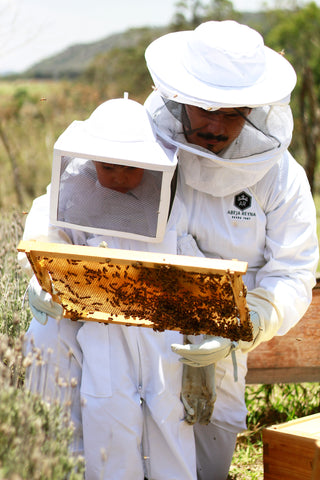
<point x="242" y="201"/>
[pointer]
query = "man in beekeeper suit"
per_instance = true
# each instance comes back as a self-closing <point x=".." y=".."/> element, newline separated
<point x="222" y="97"/>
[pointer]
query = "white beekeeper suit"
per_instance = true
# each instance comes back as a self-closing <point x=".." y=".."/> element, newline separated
<point x="251" y="202"/>
<point x="130" y="408"/>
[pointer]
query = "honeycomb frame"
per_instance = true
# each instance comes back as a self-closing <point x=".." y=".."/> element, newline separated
<point x="193" y="295"/>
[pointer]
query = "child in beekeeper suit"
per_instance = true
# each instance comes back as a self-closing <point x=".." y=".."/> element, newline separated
<point x="129" y="404"/>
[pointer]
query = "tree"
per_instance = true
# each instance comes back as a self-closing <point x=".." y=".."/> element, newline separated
<point x="220" y="10"/>
<point x="297" y="34"/>
<point x="190" y="13"/>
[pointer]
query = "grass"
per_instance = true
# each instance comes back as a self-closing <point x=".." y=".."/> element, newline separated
<point x="32" y="116"/>
<point x="247" y="461"/>
<point x="14" y="318"/>
<point x="269" y="405"/>
<point x="40" y="88"/>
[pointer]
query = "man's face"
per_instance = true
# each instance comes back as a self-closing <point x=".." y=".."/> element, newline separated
<point x="214" y="130"/>
<point x="118" y="177"/>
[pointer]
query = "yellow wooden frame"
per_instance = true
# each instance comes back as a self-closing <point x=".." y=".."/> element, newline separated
<point x="120" y="286"/>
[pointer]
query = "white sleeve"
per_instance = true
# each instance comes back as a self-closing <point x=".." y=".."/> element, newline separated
<point x="291" y="250"/>
<point x="37" y="227"/>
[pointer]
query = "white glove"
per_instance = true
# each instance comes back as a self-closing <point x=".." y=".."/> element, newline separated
<point x="266" y="317"/>
<point x="209" y="351"/>
<point x="198" y="393"/>
<point x="41" y="303"/>
<point x="213" y="349"/>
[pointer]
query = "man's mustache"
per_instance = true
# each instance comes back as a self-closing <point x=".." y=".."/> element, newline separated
<point x="211" y="136"/>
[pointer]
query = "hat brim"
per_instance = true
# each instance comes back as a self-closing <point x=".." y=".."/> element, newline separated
<point x="76" y="141"/>
<point x="164" y="61"/>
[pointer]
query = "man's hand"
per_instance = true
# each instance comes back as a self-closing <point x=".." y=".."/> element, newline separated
<point x="209" y="351"/>
<point x="212" y="349"/>
<point x="41" y="303"/>
<point x="257" y="331"/>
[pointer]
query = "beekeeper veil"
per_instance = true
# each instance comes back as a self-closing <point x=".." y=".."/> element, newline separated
<point x="223" y="65"/>
<point x="110" y="176"/>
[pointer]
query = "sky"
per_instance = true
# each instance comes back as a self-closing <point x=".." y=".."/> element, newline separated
<point x="32" y="30"/>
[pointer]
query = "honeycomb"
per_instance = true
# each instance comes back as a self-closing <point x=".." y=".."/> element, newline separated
<point x="152" y="293"/>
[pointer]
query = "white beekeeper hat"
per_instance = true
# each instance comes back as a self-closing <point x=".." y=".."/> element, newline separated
<point x="118" y="133"/>
<point x="117" y="129"/>
<point x="219" y="64"/>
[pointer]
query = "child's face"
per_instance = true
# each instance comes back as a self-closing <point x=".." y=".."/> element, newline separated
<point x="118" y="177"/>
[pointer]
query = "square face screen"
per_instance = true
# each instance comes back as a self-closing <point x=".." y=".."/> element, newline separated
<point x="109" y="198"/>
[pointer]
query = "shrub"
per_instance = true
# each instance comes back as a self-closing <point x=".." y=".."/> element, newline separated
<point x="34" y="436"/>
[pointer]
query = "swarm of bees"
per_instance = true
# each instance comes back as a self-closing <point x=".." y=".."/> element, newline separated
<point x="154" y="294"/>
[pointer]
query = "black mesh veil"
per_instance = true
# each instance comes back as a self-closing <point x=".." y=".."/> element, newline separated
<point x="84" y="202"/>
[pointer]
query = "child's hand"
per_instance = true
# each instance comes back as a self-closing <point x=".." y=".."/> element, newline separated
<point x="41" y="303"/>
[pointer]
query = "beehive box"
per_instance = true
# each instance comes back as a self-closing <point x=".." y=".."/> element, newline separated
<point x="189" y="294"/>
<point x="289" y="449"/>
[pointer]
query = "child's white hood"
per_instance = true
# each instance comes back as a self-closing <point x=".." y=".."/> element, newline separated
<point x="242" y="165"/>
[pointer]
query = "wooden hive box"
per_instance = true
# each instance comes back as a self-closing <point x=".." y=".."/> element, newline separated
<point x="289" y="449"/>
